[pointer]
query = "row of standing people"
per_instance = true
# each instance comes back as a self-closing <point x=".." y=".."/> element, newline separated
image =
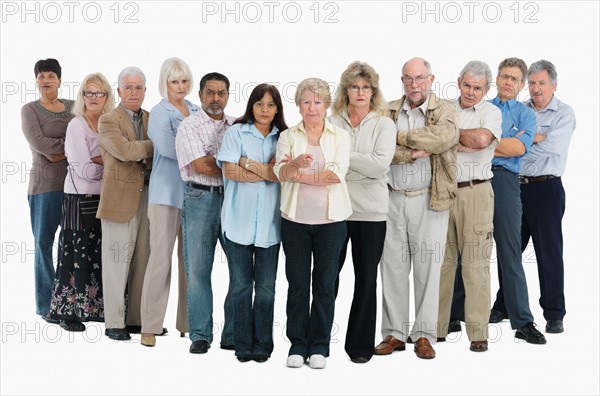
<point x="346" y="177"/>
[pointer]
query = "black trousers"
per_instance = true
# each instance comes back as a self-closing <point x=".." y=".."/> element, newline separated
<point x="367" y="247"/>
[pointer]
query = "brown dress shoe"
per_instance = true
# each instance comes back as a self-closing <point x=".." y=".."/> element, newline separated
<point x="389" y="345"/>
<point x="423" y="349"/>
<point x="479" y="346"/>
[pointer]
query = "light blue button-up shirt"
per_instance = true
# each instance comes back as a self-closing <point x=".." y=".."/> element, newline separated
<point x="250" y="213"/>
<point x="166" y="185"/>
<point x="516" y="117"/>
<point x="549" y="157"/>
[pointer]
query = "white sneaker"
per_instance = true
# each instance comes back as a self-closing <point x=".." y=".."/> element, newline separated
<point x="295" y="361"/>
<point x="317" y="361"/>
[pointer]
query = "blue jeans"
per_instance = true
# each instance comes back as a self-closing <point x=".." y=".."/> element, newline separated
<point x="45" y="211"/>
<point x="251" y="269"/>
<point x="507" y="235"/>
<point x="201" y="225"/>
<point x="309" y="325"/>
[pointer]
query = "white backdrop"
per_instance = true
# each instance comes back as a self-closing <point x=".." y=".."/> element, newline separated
<point x="282" y="43"/>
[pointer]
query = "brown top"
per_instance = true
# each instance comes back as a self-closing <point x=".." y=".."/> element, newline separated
<point x="45" y="132"/>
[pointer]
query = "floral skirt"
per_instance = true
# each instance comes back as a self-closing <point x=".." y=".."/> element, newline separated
<point x="77" y="288"/>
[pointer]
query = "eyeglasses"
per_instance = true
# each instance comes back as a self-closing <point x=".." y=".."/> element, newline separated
<point x="98" y="94"/>
<point x="509" y="77"/>
<point x="355" y="88"/>
<point x="419" y="79"/>
<point x="131" y="88"/>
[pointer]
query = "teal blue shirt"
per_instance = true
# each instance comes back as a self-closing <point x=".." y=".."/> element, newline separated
<point x="250" y="213"/>
<point x="516" y="117"/>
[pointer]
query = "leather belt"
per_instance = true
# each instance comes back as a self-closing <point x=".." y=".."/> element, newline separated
<point x="410" y="193"/>
<point x="498" y="168"/>
<point x="212" y="189"/>
<point x="470" y="183"/>
<point x="535" y="179"/>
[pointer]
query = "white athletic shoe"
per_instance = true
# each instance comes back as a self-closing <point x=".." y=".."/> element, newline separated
<point x="295" y="361"/>
<point x="317" y="361"/>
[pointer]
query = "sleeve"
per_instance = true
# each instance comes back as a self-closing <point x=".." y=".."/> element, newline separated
<point x="112" y="140"/>
<point x="440" y="135"/>
<point x="188" y="142"/>
<point x="492" y="121"/>
<point x="558" y="137"/>
<point x="35" y="137"/>
<point x="283" y="148"/>
<point x="161" y="133"/>
<point x="78" y="153"/>
<point x="528" y="123"/>
<point x="375" y="164"/>
<point x="231" y="148"/>
<point x="341" y="162"/>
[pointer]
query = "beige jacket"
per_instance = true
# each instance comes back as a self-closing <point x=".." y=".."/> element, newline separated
<point x="439" y="136"/>
<point x="124" y="168"/>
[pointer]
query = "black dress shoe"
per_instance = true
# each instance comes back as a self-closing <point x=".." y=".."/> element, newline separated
<point x="117" y="334"/>
<point x="229" y="347"/>
<point x="199" y="346"/>
<point x="530" y="334"/>
<point x="48" y="319"/>
<point x="244" y="358"/>
<point x="359" y="359"/>
<point x="497" y="316"/>
<point x="260" y="358"/>
<point x="454" y="326"/>
<point x="554" y="326"/>
<point x="72" y="325"/>
<point x="135" y="329"/>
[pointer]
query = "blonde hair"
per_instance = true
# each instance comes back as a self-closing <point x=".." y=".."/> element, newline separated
<point x="104" y="85"/>
<point x="354" y="71"/>
<point x="317" y="86"/>
<point x="173" y="69"/>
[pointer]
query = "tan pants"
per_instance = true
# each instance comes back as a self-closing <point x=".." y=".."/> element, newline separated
<point x="125" y="250"/>
<point x="469" y="236"/>
<point x="165" y="226"/>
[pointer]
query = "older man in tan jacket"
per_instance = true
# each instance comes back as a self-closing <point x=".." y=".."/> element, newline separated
<point x="127" y="155"/>
<point x="422" y="184"/>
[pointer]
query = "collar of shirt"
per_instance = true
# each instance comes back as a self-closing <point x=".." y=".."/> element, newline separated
<point x="250" y="128"/>
<point x="346" y="117"/>
<point x="423" y="107"/>
<point x="226" y="119"/>
<point x="475" y="108"/>
<point x="552" y="105"/>
<point x="509" y="103"/>
<point x="131" y="113"/>
<point x="329" y="128"/>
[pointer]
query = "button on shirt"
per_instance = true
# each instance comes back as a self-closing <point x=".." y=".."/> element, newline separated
<point x="557" y="121"/>
<point x="417" y="175"/>
<point x="478" y="165"/>
<point x="200" y="136"/>
<point x="250" y="213"/>
<point x="516" y="117"/>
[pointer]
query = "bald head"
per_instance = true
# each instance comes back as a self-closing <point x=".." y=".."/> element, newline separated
<point x="417" y="80"/>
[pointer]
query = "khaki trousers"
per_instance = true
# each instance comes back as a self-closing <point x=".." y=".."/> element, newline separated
<point x="125" y="250"/>
<point x="469" y="239"/>
<point x="165" y="226"/>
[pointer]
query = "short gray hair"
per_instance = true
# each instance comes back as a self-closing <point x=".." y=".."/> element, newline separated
<point x="131" y="71"/>
<point x="542" y="65"/>
<point x="478" y="69"/>
<point x="317" y="86"/>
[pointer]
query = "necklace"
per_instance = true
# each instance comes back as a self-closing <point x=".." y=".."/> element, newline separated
<point x="90" y="123"/>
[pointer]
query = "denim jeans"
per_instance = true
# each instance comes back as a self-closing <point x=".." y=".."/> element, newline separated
<point x="201" y="224"/>
<point x="309" y="330"/>
<point x="45" y="211"/>
<point x="251" y="269"/>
